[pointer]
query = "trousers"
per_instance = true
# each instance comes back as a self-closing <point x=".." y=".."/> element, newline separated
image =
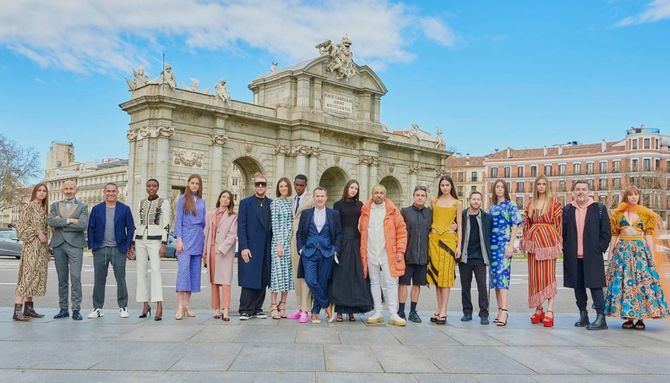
<point x="101" y="260"/>
<point x="68" y="260"/>
<point x="317" y="273"/>
<point x="148" y="263"/>
<point x="381" y="280"/>
<point x="597" y="294"/>
<point x="466" y="270"/>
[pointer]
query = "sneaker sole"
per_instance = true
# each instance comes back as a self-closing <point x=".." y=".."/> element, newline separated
<point x="396" y="323"/>
<point x="375" y="321"/>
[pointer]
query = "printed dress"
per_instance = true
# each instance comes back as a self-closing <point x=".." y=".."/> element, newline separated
<point x="34" y="264"/>
<point x="505" y="216"/>
<point x="543" y="243"/>
<point x="281" y="271"/>
<point x="442" y="247"/>
<point x="633" y="286"/>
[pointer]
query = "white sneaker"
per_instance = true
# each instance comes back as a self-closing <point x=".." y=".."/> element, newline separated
<point x="376" y="318"/>
<point x="123" y="312"/>
<point x="396" y="320"/>
<point x="96" y="313"/>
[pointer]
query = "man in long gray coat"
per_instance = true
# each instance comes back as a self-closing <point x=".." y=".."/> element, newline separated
<point x="68" y="219"/>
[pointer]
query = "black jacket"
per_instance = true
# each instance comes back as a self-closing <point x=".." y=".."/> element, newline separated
<point x="597" y="236"/>
<point x="418" y="222"/>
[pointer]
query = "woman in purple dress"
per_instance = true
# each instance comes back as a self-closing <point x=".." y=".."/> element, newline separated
<point x="189" y="230"/>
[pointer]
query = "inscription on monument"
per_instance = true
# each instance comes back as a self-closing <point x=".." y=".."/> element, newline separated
<point x="338" y="103"/>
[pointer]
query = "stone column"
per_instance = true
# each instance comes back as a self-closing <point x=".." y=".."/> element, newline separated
<point x="215" y="175"/>
<point x="374" y="166"/>
<point x="414" y="168"/>
<point x="280" y="151"/>
<point x="301" y="164"/>
<point x="363" y="181"/>
<point x="132" y="136"/>
<point x="303" y="92"/>
<point x="313" y="166"/>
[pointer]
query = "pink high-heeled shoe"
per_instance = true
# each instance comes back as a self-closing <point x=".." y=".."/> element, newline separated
<point x="295" y="315"/>
<point x="304" y="318"/>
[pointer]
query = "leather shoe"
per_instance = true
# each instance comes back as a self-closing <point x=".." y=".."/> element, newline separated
<point x="466" y="318"/>
<point x="62" y="314"/>
<point x="599" y="324"/>
<point x="76" y="315"/>
<point x="583" y="319"/>
<point x="484" y="320"/>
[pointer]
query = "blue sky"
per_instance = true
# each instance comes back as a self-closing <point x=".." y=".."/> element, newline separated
<point x="490" y="74"/>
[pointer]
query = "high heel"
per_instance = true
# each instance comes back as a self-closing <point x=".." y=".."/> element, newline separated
<point x="180" y="313"/>
<point x="159" y="312"/>
<point x="548" y="321"/>
<point x="500" y="323"/>
<point x="189" y="311"/>
<point x="146" y="313"/>
<point x="538" y="316"/>
<point x="224" y="316"/>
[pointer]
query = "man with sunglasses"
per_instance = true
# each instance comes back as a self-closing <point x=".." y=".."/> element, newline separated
<point x="254" y="233"/>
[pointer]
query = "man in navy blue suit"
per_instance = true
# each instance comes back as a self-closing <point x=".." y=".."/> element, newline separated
<point x="319" y="239"/>
<point x="254" y="233"/>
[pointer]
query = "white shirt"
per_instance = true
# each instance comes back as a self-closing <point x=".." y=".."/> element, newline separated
<point x="319" y="218"/>
<point x="376" y="241"/>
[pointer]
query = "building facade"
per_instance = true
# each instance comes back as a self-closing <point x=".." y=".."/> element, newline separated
<point x="320" y="118"/>
<point x="640" y="158"/>
<point x="468" y="174"/>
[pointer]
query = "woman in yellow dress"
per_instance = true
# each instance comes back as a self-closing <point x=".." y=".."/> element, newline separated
<point x="444" y="245"/>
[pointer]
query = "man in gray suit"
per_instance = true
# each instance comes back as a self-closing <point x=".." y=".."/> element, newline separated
<point x="68" y="220"/>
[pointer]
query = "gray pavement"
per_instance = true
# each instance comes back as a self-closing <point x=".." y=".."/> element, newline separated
<point x="111" y="349"/>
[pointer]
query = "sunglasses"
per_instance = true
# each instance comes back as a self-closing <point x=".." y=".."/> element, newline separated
<point x="261" y="184"/>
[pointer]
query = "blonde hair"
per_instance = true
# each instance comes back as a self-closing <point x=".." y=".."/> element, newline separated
<point x="547" y="193"/>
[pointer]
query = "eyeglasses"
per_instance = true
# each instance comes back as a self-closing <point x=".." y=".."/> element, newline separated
<point x="261" y="184"/>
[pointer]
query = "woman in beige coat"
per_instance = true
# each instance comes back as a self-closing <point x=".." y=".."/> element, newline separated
<point x="219" y="252"/>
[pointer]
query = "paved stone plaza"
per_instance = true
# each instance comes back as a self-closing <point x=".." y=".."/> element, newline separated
<point x="202" y="349"/>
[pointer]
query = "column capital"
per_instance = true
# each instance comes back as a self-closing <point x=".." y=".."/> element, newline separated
<point x="219" y="139"/>
<point x="369" y="160"/>
<point x="281" y="149"/>
<point x="414" y="167"/>
<point x="136" y="134"/>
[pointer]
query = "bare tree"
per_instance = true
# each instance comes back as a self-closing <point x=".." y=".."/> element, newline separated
<point x="17" y="166"/>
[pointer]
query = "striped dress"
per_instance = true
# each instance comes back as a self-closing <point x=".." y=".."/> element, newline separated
<point x="542" y="242"/>
<point x="281" y="271"/>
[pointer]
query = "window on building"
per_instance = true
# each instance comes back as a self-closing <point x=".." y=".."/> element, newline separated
<point x="590" y="183"/>
<point x="616" y="183"/>
<point x="519" y="171"/>
<point x="473" y="188"/>
<point x="577" y="168"/>
<point x="634" y="143"/>
<point x="459" y="189"/>
<point x="494" y="172"/>
<point x="633" y="164"/>
<point x="616" y="166"/>
<point x="473" y="177"/>
<point x="520" y="187"/>
<point x="547" y="170"/>
<point x="561" y="169"/>
<point x="657" y="164"/>
<point x="461" y="177"/>
<point x="589" y="168"/>
<point x="508" y="171"/>
<point x="603" y="167"/>
<point x="561" y="186"/>
<point x="602" y="184"/>
<point x="533" y="170"/>
<point x="646" y="164"/>
<point x="519" y="202"/>
<point x="647" y="143"/>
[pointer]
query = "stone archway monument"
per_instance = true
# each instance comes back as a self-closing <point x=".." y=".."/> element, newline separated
<point x="319" y="116"/>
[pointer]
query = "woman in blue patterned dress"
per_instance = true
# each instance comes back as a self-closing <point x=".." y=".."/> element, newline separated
<point x="189" y="229"/>
<point x="281" y="272"/>
<point x="506" y="221"/>
<point x="634" y="289"/>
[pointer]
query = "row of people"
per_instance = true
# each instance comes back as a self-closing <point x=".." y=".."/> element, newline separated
<point x="364" y="250"/>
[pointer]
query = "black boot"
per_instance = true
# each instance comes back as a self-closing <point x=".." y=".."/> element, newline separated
<point x="583" y="319"/>
<point x="599" y="324"/>
<point x="18" y="314"/>
<point x="29" y="311"/>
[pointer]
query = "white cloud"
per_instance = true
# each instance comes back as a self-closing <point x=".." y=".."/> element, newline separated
<point x="114" y="35"/>
<point x="655" y="11"/>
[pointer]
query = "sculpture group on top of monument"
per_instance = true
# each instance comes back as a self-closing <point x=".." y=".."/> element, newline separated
<point x="341" y="58"/>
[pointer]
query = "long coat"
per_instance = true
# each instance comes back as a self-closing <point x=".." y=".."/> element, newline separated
<point x="596" y="239"/>
<point x="255" y="235"/>
<point x="224" y="246"/>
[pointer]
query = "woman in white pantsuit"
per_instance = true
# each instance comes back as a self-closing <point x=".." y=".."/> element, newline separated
<point x="150" y="242"/>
